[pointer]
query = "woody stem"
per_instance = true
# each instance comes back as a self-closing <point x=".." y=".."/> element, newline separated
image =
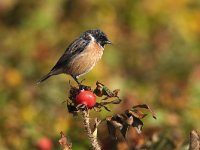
<point x="91" y="137"/>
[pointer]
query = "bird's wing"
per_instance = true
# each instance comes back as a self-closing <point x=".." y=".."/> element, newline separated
<point x="72" y="50"/>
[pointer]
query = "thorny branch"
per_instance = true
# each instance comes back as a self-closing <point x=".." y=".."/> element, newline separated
<point x="91" y="135"/>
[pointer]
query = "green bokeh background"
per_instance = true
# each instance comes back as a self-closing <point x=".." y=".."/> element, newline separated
<point x="154" y="59"/>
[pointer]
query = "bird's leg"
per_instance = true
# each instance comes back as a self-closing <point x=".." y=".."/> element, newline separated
<point x="81" y="86"/>
<point x="76" y="79"/>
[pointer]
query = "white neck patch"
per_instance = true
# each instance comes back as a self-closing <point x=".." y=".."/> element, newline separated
<point x="94" y="40"/>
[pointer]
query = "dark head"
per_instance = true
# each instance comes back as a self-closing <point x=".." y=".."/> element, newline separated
<point x="99" y="36"/>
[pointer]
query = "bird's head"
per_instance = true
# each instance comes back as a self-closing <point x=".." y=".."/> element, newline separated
<point x="99" y="36"/>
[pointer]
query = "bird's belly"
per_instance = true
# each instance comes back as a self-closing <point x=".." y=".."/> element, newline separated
<point x="83" y="63"/>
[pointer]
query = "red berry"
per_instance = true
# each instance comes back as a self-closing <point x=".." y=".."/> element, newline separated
<point x="44" y="144"/>
<point x="86" y="97"/>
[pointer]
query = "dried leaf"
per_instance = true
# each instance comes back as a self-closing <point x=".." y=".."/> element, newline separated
<point x="101" y="90"/>
<point x="136" y="113"/>
<point x="129" y="120"/>
<point x="137" y="124"/>
<point x="107" y="91"/>
<point x="119" y="118"/>
<point x="111" y="128"/>
<point x="98" y="90"/>
<point x="72" y="109"/>
<point x="124" y="130"/>
<point x="116" y="91"/>
<point x="116" y="101"/>
<point x="72" y="93"/>
<point x="119" y="121"/>
<point x="146" y="107"/>
<point x="97" y="122"/>
<point x="103" y="104"/>
<point x="64" y="142"/>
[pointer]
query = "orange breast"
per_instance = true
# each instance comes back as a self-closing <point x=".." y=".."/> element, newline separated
<point x="86" y="60"/>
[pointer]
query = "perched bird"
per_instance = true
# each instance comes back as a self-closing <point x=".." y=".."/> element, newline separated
<point x="81" y="55"/>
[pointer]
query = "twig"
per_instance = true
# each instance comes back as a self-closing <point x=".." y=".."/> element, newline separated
<point x="92" y="137"/>
<point x="194" y="140"/>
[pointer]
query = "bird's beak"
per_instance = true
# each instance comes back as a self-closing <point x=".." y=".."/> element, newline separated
<point x="108" y="42"/>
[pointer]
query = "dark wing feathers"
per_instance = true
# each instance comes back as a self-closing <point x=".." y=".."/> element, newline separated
<point x="76" y="47"/>
<point x="73" y="49"/>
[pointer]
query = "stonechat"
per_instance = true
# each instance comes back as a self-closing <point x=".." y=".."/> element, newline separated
<point x="81" y="55"/>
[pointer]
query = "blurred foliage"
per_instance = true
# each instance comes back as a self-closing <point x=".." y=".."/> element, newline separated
<point x="155" y="59"/>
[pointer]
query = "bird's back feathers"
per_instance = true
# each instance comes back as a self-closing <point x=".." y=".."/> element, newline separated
<point x="73" y="50"/>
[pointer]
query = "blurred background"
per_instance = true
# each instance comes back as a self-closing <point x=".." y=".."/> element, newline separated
<point x="154" y="59"/>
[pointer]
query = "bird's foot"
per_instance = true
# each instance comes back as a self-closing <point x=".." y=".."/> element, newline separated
<point x="80" y="85"/>
<point x="84" y="87"/>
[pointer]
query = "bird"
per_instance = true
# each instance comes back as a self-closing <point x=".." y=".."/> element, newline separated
<point x="81" y="55"/>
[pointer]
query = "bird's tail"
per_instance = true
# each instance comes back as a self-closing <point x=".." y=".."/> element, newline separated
<point x="44" y="78"/>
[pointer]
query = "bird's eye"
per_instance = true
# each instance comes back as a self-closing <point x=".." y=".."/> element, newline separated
<point x="104" y="38"/>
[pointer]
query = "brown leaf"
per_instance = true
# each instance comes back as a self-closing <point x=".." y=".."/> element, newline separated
<point x="64" y="142"/>
<point x="121" y="122"/>
<point x="101" y="90"/>
<point x="98" y="90"/>
<point x="146" y="107"/>
<point x="116" y="101"/>
<point x="124" y="130"/>
<point x="137" y="124"/>
<point x="136" y="113"/>
<point x="129" y="120"/>
<point x="111" y="128"/>
<point x="98" y="106"/>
